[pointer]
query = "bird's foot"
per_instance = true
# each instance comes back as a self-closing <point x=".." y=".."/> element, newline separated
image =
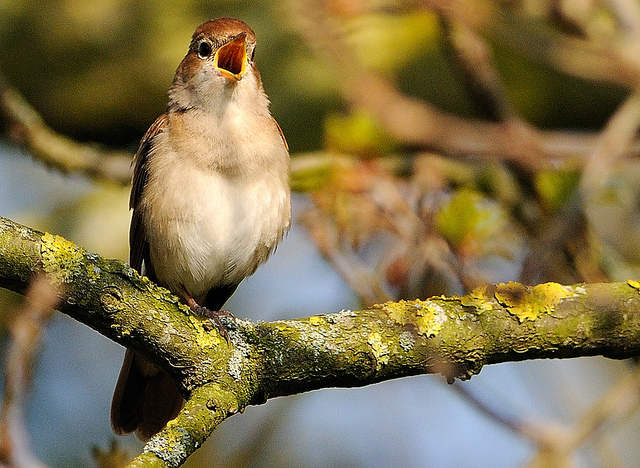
<point x="214" y="316"/>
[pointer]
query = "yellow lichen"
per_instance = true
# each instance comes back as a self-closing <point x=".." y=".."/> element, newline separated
<point x="430" y="319"/>
<point x="205" y="339"/>
<point x="551" y="294"/>
<point x="93" y="272"/>
<point x="477" y="299"/>
<point x="528" y="302"/>
<point x="123" y="331"/>
<point x="379" y="348"/>
<point x="397" y="311"/>
<point x="634" y="284"/>
<point x="60" y="258"/>
<point x="427" y="316"/>
<point x="315" y="320"/>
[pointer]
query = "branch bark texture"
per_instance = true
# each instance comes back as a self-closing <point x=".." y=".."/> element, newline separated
<point x="454" y="336"/>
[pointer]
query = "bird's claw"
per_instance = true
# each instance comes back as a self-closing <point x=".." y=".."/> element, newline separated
<point x="214" y="316"/>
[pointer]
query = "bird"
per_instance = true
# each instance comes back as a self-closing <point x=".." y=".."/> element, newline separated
<point x="210" y="200"/>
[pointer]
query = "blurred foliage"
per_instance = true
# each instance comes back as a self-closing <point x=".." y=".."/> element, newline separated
<point x="100" y="70"/>
<point x="555" y="187"/>
<point x="551" y="99"/>
<point x="386" y="43"/>
<point x="466" y="216"/>
<point x="397" y="219"/>
<point x="356" y="133"/>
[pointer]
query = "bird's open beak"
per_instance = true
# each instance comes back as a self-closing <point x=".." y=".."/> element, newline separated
<point x="231" y="58"/>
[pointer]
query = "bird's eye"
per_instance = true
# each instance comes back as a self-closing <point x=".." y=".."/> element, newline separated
<point x="204" y="50"/>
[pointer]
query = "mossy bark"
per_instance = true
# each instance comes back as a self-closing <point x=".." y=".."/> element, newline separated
<point x="454" y="336"/>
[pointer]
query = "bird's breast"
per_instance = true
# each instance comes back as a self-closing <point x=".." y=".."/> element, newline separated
<point x="206" y="228"/>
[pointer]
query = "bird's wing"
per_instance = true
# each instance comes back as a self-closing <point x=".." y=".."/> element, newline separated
<point x="284" y="140"/>
<point x="138" y="247"/>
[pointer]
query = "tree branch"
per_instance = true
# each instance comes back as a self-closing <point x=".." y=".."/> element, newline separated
<point x="454" y="336"/>
<point x="417" y="123"/>
<point x="27" y="128"/>
<point x="26" y="334"/>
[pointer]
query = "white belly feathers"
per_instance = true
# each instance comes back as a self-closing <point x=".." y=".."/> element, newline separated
<point x="217" y="229"/>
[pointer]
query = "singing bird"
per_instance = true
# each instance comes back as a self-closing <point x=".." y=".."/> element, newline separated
<point x="210" y="199"/>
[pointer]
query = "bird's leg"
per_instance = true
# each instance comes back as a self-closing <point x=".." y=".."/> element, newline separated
<point x="202" y="311"/>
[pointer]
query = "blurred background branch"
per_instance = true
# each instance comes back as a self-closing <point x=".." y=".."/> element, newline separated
<point x="26" y="336"/>
<point x="28" y="129"/>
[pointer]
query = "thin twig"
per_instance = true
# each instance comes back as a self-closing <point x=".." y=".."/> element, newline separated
<point x="27" y="128"/>
<point x="26" y="331"/>
<point x="618" y="135"/>
<point x="417" y="123"/>
<point x="514" y="425"/>
<point x="474" y="57"/>
<point x="621" y="401"/>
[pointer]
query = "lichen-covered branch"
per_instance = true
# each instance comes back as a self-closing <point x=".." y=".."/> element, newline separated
<point x="454" y="336"/>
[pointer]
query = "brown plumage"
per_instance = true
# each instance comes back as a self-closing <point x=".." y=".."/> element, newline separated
<point x="210" y="200"/>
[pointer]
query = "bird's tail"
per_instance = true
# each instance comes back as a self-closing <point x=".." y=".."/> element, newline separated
<point x="144" y="400"/>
